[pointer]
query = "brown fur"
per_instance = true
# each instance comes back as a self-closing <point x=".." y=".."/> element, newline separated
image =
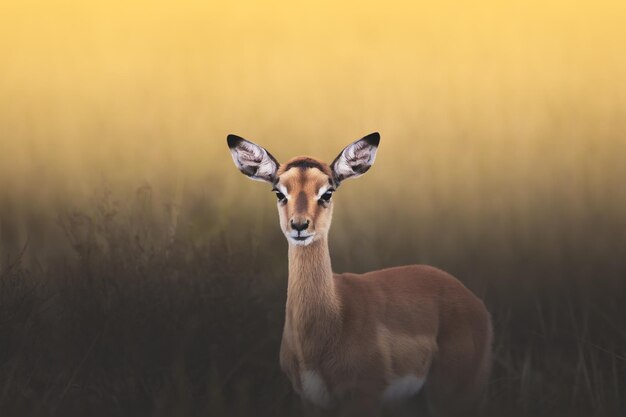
<point x="361" y="332"/>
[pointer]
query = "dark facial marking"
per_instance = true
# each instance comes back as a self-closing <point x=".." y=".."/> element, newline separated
<point x="301" y="202"/>
<point x="305" y="163"/>
<point x="318" y="208"/>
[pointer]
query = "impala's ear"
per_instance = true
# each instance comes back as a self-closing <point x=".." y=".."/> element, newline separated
<point x="356" y="158"/>
<point x="252" y="160"/>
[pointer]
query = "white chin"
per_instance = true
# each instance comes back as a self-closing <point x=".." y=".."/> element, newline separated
<point x="303" y="242"/>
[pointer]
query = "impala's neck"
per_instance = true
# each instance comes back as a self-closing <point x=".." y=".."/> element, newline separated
<point x="311" y="298"/>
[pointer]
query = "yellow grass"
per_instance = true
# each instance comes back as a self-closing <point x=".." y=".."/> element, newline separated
<point x="492" y="112"/>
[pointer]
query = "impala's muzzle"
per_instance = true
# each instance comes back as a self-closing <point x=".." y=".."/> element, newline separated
<point x="299" y="232"/>
<point x="299" y="225"/>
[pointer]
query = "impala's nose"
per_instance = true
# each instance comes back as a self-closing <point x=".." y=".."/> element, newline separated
<point x="299" y="224"/>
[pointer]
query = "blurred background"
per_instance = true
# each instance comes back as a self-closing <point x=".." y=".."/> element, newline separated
<point x="123" y="219"/>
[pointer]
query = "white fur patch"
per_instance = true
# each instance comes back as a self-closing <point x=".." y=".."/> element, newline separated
<point x="322" y="191"/>
<point x="403" y="388"/>
<point x="305" y="242"/>
<point x="314" y="389"/>
<point x="283" y="190"/>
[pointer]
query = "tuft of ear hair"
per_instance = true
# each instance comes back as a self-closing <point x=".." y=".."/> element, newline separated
<point x="355" y="159"/>
<point x="252" y="160"/>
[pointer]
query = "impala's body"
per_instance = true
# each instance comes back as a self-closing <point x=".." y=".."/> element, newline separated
<point x="356" y="341"/>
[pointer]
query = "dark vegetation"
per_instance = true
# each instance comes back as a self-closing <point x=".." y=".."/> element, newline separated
<point x="134" y="323"/>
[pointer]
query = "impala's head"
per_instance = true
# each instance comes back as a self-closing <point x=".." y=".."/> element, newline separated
<point x="304" y="186"/>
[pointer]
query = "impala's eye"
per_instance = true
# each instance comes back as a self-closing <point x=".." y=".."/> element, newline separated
<point x="280" y="196"/>
<point x="326" y="196"/>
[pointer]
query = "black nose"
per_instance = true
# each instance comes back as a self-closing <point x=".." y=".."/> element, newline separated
<point x="299" y="226"/>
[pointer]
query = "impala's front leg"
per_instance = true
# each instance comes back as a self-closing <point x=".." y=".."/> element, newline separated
<point x="289" y="365"/>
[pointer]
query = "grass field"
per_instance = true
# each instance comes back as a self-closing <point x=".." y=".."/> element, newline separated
<point x="142" y="275"/>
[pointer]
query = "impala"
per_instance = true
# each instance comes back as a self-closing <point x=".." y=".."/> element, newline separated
<point x="357" y="341"/>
